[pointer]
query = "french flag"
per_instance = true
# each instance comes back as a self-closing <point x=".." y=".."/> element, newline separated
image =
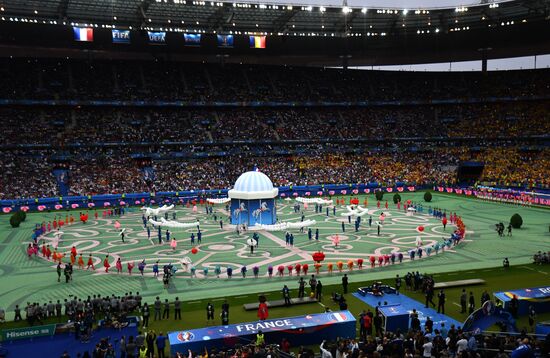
<point x="85" y="34"/>
<point x="340" y="316"/>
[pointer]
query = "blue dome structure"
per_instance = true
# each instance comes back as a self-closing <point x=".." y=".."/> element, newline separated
<point x="252" y="182"/>
<point x="252" y="200"/>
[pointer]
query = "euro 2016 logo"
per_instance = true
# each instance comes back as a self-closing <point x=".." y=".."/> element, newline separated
<point x="185" y="336"/>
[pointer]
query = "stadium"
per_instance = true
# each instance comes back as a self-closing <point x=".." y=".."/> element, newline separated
<point x="274" y="179"/>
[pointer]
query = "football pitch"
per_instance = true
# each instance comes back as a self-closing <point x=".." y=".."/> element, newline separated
<point x="35" y="279"/>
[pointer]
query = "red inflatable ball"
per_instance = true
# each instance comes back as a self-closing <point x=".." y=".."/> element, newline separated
<point x="409" y="202"/>
<point x="194" y="250"/>
<point x="318" y="256"/>
<point x="60" y="223"/>
<point x="420" y="228"/>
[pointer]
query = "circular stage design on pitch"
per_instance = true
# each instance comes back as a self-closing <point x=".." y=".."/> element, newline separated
<point x="99" y="238"/>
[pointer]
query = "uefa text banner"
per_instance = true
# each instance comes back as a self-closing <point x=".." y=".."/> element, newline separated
<point x="157" y="38"/>
<point x="27" y="332"/>
<point x="225" y="41"/>
<point x="193" y="40"/>
<point x="83" y="34"/>
<point x="121" y="36"/>
<point x="257" y="41"/>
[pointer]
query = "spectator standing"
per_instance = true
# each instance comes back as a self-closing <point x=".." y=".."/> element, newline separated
<point x="150" y="339"/>
<point x="131" y="348"/>
<point x="157" y="307"/>
<point x="441" y="302"/>
<point x="145" y="314"/>
<point x="161" y="344"/>
<point x="177" y="309"/>
<point x="122" y="347"/>
<point x="463" y="297"/>
<point x="345" y="283"/>
<point x="166" y="311"/>
<point x="319" y="291"/>
<point x="471" y="303"/>
<point x="286" y="295"/>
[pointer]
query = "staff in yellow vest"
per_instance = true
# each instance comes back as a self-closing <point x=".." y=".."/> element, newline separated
<point x="142" y="351"/>
<point x="260" y="339"/>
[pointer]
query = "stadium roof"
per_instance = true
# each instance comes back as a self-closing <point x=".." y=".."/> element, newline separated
<point x="274" y="17"/>
<point x="387" y="4"/>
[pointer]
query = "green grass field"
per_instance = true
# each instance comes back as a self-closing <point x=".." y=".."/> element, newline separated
<point x="480" y="256"/>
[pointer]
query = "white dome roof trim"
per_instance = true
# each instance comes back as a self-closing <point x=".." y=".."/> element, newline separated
<point x="385" y="4"/>
<point x="253" y="185"/>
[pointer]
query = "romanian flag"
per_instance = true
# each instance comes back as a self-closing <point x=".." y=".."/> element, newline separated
<point x="85" y="34"/>
<point x="257" y="41"/>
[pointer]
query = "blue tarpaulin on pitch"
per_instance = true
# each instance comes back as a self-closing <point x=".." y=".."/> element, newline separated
<point x="396" y="310"/>
<point x="539" y="297"/>
<point x="300" y="330"/>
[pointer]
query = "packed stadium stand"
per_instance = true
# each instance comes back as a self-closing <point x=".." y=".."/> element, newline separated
<point x="147" y="97"/>
<point x="505" y="129"/>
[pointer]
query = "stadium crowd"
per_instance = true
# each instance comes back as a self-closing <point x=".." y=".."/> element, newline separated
<point x="27" y="176"/>
<point x="65" y="127"/>
<point x="541" y="258"/>
<point x="82" y="150"/>
<point x="71" y="78"/>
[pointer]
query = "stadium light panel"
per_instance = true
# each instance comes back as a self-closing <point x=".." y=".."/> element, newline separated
<point x="405" y="12"/>
<point x="364" y="10"/>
